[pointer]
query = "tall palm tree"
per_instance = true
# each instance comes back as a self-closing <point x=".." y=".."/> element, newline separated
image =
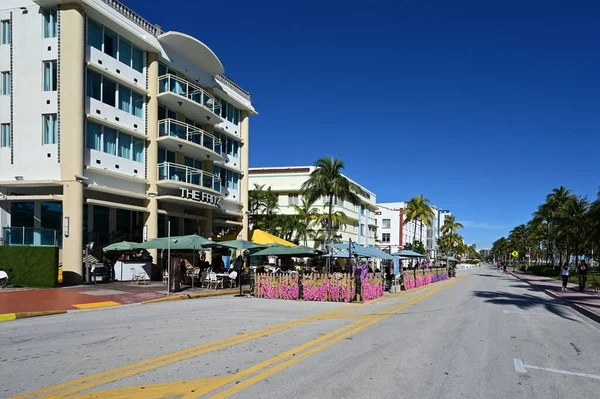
<point x="419" y="210"/>
<point x="327" y="181"/>
<point x="451" y="225"/>
<point x="308" y="215"/>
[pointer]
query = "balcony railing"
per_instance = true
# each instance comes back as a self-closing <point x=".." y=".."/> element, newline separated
<point x="187" y="174"/>
<point x="184" y="88"/>
<point x="19" y="236"/>
<point x="193" y="134"/>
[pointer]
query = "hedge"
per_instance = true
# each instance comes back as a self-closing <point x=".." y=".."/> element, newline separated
<point x="30" y="266"/>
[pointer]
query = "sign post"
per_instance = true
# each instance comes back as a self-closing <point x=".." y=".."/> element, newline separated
<point x="515" y="255"/>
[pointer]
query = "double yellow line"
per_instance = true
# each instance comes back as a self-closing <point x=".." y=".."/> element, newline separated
<point x="71" y="387"/>
<point x="293" y="356"/>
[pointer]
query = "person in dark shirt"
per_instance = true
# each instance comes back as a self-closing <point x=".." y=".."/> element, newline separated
<point x="582" y="271"/>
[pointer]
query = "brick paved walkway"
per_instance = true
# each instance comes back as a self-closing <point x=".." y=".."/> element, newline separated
<point x="588" y="299"/>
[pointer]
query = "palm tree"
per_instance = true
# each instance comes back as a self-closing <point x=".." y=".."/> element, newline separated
<point x="263" y="206"/>
<point x="327" y="181"/>
<point x="308" y="215"/>
<point x="418" y="209"/>
<point x="451" y="225"/>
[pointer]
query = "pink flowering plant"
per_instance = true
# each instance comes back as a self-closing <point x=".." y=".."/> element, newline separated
<point x="272" y="286"/>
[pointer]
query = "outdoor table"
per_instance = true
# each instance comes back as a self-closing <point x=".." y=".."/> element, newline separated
<point x="223" y="276"/>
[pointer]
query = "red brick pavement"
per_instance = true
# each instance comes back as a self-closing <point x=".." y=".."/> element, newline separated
<point x="588" y="299"/>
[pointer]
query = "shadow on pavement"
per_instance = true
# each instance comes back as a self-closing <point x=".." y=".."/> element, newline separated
<point x="525" y="302"/>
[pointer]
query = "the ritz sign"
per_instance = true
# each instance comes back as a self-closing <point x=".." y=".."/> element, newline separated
<point x="200" y="196"/>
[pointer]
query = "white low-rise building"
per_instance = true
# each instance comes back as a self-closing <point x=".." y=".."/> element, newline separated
<point x="394" y="232"/>
<point x="287" y="182"/>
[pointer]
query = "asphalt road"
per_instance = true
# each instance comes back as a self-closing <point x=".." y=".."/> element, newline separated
<point x="484" y="335"/>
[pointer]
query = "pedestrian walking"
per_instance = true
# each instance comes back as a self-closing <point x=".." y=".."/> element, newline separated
<point x="582" y="271"/>
<point x="564" y="274"/>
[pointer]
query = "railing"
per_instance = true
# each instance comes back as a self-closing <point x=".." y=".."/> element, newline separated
<point x="245" y="94"/>
<point x="184" y="88"/>
<point x="20" y="236"/>
<point x="187" y="174"/>
<point x="133" y="16"/>
<point x="193" y="134"/>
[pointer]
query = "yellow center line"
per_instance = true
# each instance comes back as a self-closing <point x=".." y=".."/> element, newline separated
<point x="69" y="387"/>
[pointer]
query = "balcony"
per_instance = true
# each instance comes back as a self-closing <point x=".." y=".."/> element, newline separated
<point x="175" y="176"/>
<point x="183" y="96"/>
<point x="26" y="236"/>
<point x="191" y="140"/>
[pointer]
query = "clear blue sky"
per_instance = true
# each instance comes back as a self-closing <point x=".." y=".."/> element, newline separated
<point x="482" y="106"/>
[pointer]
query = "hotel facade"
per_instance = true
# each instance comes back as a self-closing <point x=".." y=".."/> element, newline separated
<point x="287" y="182"/>
<point x="111" y="129"/>
<point x="395" y="232"/>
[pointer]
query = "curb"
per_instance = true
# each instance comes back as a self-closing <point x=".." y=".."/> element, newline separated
<point x="579" y="308"/>
<point x="26" y="315"/>
<point x="194" y="296"/>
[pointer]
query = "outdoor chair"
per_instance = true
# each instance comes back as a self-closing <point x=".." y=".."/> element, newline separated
<point x="195" y="275"/>
<point x="204" y="280"/>
<point x="137" y="277"/>
<point x="165" y="278"/>
<point x="232" y="279"/>
<point x="215" y="281"/>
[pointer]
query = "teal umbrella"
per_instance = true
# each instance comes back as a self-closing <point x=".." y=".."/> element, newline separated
<point x="287" y="251"/>
<point x="239" y="244"/>
<point x="180" y="243"/>
<point x="121" y="246"/>
<point x="408" y="254"/>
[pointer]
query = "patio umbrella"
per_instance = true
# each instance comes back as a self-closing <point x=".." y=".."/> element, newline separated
<point x="239" y="244"/>
<point x="340" y="254"/>
<point x="121" y="246"/>
<point x="286" y="251"/>
<point x="181" y="243"/>
<point x="408" y="254"/>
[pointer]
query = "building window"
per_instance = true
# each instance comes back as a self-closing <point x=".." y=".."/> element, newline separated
<point x="50" y="129"/>
<point x="124" y="51"/>
<point x="229" y="179"/>
<point x="110" y="141"/>
<point x="104" y="89"/>
<point x="292" y="199"/>
<point x="5" y="83"/>
<point x="109" y="137"/>
<point x="109" y="92"/>
<point x="93" y="136"/>
<point x="165" y="113"/>
<point x="138" y="150"/>
<point x="386" y="223"/>
<point x="229" y="112"/>
<point x="50" y="23"/>
<point x="385" y="237"/>
<point x="124" y="146"/>
<point x="5" y="135"/>
<point x="114" y="45"/>
<point x="50" y="76"/>
<point x="110" y="42"/>
<point x="229" y="145"/>
<point x="5" y="33"/>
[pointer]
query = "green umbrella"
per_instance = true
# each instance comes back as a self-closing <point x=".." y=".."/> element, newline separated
<point x="239" y="244"/>
<point x="121" y="246"/>
<point x="190" y="242"/>
<point x="287" y="251"/>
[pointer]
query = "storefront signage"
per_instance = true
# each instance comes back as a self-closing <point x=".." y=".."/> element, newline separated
<point x="200" y="196"/>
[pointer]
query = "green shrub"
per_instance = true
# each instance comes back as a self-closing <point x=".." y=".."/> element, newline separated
<point x="30" y="266"/>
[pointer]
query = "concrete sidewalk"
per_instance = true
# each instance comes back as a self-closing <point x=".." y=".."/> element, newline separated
<point x="587" y="302"/>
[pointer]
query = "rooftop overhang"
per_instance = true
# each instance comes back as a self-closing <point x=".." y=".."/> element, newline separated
<point x="196" y="52"/>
